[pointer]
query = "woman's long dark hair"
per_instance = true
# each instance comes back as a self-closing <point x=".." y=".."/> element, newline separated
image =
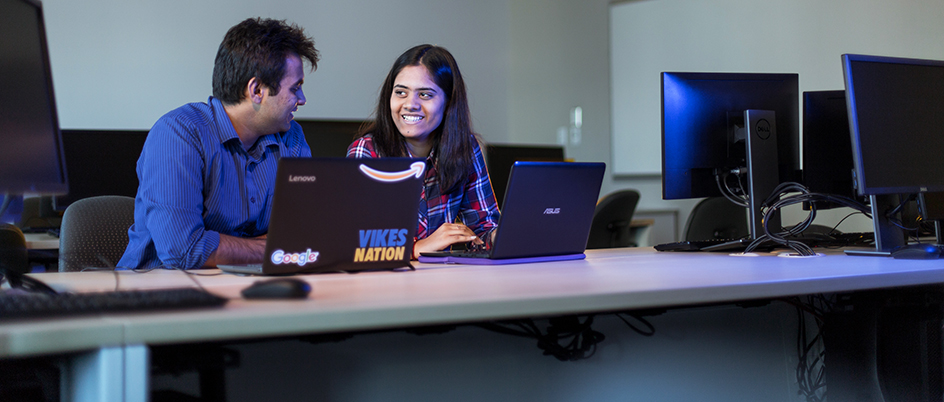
<point x="453" y="140"/>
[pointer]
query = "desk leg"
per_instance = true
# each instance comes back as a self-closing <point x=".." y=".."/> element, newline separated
<point x="107" y="374"/>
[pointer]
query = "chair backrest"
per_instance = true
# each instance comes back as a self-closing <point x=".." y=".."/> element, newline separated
<point x="611" y="219"/>
<point x="13" y="253"/>
<point x="94" y="232"/>
<point x="716" y="218"/>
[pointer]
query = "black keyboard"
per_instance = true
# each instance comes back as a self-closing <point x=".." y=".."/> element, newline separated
<point x="705" y="245"/>
<point x="16" y="304"/>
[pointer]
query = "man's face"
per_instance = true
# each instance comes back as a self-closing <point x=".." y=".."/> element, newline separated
<point x="280" y="108"/>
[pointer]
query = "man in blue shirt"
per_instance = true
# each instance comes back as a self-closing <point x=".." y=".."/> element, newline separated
<point x="207" y="170"/>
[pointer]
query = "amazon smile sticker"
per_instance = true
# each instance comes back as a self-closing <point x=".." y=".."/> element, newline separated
<point x="416" y="169"/>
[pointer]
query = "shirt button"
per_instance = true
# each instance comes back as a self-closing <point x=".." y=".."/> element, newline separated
<point x="252" y="200"/>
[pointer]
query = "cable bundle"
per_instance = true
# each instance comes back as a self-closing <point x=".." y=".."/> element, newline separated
<point x="811" y="367"/>
<point x="566" y="338"/>
<point x="776" y="201"/>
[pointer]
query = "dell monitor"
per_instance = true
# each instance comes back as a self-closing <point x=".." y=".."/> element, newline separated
<point x="896" y="115"/>
<point x="31" y="160"/>
<point x="827" y="150"/>
<point x="717" y="123"/>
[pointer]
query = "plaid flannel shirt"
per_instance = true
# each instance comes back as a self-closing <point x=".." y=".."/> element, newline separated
<point x="474" y="205"/>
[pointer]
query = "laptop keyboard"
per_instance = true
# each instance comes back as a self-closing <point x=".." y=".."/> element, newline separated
<point x="457" y="253"/>
<point x="16" y="304"/>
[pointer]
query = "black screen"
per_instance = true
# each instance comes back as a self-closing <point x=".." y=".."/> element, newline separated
<point x="896" y="114"/>
<point x="101" y="162"/>
<point x="30" y="157"/>
<point x="827" y="150"/>
<point x="698" y="111"/>
<point x="329" y="138"/>
<point x="500" y="158"/>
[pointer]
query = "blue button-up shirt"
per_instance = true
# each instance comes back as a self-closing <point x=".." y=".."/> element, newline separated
<point x="197" y="181"/>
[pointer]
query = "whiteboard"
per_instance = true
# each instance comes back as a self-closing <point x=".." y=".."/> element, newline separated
<point x="806" y="37"/>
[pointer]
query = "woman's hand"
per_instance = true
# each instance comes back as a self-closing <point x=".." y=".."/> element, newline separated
<point x="445" y="236"/>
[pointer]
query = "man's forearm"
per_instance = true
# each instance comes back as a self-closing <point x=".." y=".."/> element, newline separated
<point x="237" y="250"/>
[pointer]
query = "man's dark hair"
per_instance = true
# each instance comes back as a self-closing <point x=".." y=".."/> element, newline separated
<point x="258" y="48"/>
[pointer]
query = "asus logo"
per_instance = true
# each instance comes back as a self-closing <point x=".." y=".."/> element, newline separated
<point x="295" y="179"/>
<point x="551" y="211"/>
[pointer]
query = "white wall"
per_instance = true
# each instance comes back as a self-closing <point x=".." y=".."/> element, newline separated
<point x="122" y="64"/>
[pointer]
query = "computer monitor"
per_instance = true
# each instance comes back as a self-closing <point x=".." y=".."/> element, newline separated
<point x="100" y="162"/>
<point x="704" y="134"/>
<point x="31" y="159"/>
<point x="827" y="149"/>
<point x="500" y="157"/>
<point x="329" y="138"/>
<point x="896" y="115"/>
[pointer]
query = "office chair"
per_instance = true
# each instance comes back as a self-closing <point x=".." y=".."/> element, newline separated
<point x="94" y="232"/>
<point x="611" y="219"/>
<point x="716" y="218"/>
<point x="13" y="253"/>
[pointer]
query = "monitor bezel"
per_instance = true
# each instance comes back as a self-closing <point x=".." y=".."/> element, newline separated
<point x="60" y="186"/>
<point x="863" y="185"/>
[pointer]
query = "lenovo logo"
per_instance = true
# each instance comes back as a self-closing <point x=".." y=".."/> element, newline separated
<point x="552" y="211"/>
<point x="301" y="179"/>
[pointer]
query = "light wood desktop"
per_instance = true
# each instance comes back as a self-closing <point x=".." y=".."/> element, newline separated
<point x="608" y="280"/>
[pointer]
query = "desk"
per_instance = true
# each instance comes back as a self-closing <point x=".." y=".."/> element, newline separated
<point x="608" y="280"/>
<point x="640" y="230"/>
<point x="41" y="241"/>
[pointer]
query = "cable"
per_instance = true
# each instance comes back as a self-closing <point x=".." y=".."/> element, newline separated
<point x="811" y="366"/>
<point x="727" y="192"/>
<point x="25" y="282"/>
<point x="565" y="338"/>
<point x="649" y="332"/>
<point x="774" y="203"/>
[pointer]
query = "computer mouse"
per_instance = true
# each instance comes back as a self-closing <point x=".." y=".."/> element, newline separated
<point x="278" y="288"/>
<point x="918" y="252"/>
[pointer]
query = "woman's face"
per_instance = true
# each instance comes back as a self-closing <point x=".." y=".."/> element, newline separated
<point x="416" y="104"/>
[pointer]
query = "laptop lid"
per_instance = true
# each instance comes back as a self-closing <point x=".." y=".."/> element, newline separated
<point x="548" y="209"/>
<point x="340" y="214"/>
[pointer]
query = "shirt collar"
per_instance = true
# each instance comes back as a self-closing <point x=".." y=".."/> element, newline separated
<point x="228" y="133"/>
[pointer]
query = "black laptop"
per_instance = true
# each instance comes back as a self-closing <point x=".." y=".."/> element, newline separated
<point x="341" y="215"/>
<point x="546" y="215"/>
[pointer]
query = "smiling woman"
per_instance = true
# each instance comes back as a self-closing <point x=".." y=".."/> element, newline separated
<point x="423" y="112"/>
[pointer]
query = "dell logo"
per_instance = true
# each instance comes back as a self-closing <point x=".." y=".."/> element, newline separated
<point x="302" y="179"/>
<point x="763" y="129"/>
<point x="551" y="211"/>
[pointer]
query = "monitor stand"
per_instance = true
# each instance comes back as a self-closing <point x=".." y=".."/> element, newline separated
<point x="888" y="237"/>
<point x="762" y="166"/>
